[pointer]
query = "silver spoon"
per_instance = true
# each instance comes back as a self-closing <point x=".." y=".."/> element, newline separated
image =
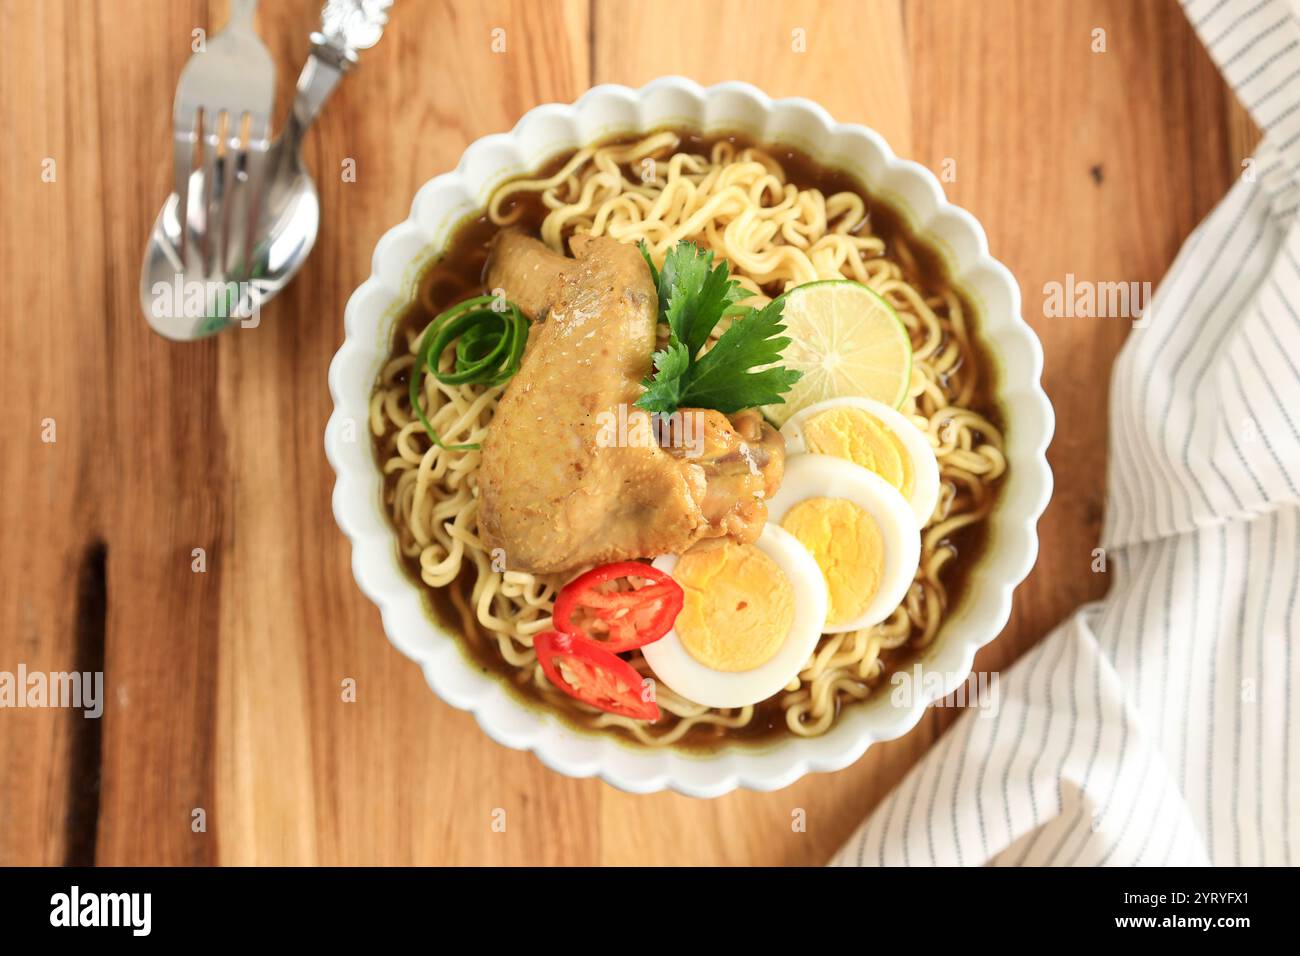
<point x="186" y="303"/>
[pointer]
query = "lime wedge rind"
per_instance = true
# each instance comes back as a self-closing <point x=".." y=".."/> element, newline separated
<point x="848" y="341"/>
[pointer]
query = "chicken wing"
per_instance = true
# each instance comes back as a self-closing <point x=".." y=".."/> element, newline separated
<point x="555" y="493"/>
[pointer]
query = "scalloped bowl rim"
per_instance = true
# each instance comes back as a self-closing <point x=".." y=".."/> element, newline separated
<point x="403" y="250"/>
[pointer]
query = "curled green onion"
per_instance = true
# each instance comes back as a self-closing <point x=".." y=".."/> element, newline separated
<point x="489" y="336"/>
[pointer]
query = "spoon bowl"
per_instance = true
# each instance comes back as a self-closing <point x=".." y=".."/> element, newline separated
<point x="182" y="303"/>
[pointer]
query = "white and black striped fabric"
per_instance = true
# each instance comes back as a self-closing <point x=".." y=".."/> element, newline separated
<point x="1162" y="725"/>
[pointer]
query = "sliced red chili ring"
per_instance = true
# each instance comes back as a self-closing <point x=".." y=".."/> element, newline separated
<point x="593" y="675"/>
<point x="619" y="620"/>
<point x="615" y="600"/>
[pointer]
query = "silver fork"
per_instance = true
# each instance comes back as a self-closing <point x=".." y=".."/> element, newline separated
<point x="223" y="101"/>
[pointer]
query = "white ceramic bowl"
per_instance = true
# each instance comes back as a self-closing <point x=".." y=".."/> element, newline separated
<point x="603" y="111"/>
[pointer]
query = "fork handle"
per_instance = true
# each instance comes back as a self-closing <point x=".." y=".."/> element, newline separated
<point x="241" y="11"/>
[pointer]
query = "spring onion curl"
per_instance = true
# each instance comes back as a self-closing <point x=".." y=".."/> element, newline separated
<point x="490" y="335"/>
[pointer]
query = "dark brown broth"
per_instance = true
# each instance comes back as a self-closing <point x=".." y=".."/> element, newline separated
<point x="458" y="274"/>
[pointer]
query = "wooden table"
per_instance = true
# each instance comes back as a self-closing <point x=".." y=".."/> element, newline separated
<point x="224" y="686"/>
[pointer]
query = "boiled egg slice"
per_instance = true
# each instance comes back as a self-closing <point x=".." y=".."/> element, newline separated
<point x="858" y="528"/>
<point x="751" y="618"/>
<point x="876" y="437"/>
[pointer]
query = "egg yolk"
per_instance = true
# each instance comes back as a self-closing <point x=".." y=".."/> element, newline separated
<point x="849" y="548"/>
<point x="737" y="608"/>
<point x="858" y="436"/>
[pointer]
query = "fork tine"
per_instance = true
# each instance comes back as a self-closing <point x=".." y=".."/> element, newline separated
<point x="229" y="193"/>
<point x="253" y="163"/>
<point x="238" y="209"/>
<point x="184" y="136"/>
<point x="202" y="213"/>
<point x="216" y="185"/>
<point x="192" y="255"/>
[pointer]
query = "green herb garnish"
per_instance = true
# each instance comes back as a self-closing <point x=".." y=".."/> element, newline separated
<point x="489" y="336"/>
<point x="740" y="370"/>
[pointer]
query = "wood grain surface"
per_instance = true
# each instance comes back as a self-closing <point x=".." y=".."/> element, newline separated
<point x="224" y="687"/>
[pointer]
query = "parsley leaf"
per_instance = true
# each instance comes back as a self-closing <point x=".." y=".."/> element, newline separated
<point x="663" y="392"/>
<point x="694" y="295"/>
<point x="699" y="294"/>
<point x="721" y="378"/>
<point x="654" y="273"/>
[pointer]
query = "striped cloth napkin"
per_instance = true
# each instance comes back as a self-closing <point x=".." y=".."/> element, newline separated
<point x="1160" y="725"/>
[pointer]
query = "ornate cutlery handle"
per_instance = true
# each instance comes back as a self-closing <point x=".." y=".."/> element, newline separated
<point x="346" y="27"/>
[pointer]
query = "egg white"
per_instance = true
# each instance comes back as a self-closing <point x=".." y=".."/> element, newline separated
<point x="925" y="467"/>
<point x="676" y="668"/>
<point x="825" y="476"/>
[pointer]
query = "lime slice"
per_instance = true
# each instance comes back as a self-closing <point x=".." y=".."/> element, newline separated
<point x="846" y="340"/>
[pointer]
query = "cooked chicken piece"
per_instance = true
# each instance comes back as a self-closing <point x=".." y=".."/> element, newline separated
<point x="524" y="269"/>
<point x="552" y="496"/>
<point x="743" y="460"/>
<point x="555" y="493"/>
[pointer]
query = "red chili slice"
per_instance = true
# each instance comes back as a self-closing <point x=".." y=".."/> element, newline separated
<point x="595" y="676"/>
<point x="619" y="619"/>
